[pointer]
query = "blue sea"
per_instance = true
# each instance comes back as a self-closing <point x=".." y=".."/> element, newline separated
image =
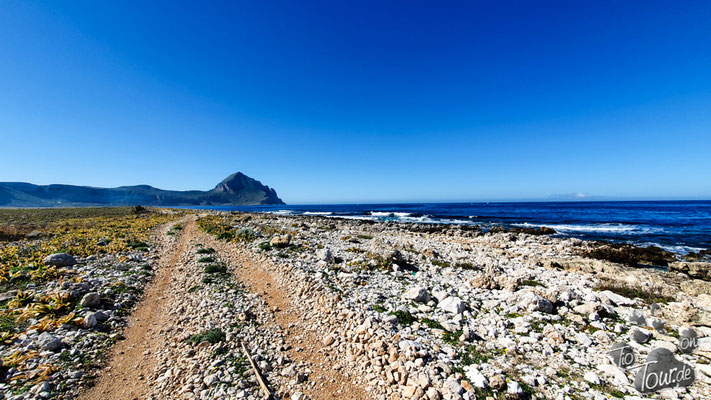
<point x="679" y="226"/>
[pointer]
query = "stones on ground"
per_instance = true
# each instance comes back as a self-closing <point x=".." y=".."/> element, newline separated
<point x="532" y="301"/>
<point x="418" y="359"/>
<point x="89" y="321"/>
<point x="451" y="386"/>
<point x="90" y="300"/>
<point x="453" y="305"/>
<point x="328" y="340"/>
<point x="60" y="260"/>
<point x="583" y="339"/>
<point x="698" y="270"/>
<point x="513" y="388"/>
<point x="289" y="371"/>
<point x="475" y="377"/>
<point x="280" y="241"/>
<point x="49" y="342"/>
<point x="498" y="382"/>
<point x="324" y="255"/>
<point x="617" y="299"/>
<point x="592" y="377"/>
<point x="418" y="294"/>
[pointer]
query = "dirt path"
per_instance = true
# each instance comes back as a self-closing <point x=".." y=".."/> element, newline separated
<point x="307" y="347"/>
<point x="131" y="361"/>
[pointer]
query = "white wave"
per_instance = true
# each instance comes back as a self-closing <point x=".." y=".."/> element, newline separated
<point x="424" y="219"/>
<point x="281" y="212"/>
<point x="318" y="213"/>
<point x="674" y="249"/>
<point x="389" y="214"/>
<point x="601" y="228"/>
<point x="356" y="217"/>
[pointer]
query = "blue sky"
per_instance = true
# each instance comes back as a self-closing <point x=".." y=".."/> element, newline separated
<point x="366" y="102"/>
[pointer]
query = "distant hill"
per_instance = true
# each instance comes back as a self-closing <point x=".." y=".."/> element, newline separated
<point x="236" y="189"/>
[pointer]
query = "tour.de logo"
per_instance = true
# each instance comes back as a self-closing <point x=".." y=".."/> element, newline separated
<point x="661" y="369"/>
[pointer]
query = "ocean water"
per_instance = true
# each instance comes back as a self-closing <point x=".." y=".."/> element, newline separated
<point x="680" y="226"/>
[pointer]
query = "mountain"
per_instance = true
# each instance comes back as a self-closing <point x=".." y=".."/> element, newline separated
<point x="236" y="189"/>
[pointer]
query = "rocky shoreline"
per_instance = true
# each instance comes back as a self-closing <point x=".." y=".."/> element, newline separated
<point x="451" y="314"/>
<point x="331" y="308"/>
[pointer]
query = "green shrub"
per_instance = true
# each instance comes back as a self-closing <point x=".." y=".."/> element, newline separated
<point x="647" y="295"/>
<point x="403" y="317"/>
<point x="208" y="250"/>
<point x="245" y="234"/>
<point x="211" y="336"/>
<point x="431" y="323"/>
<point x="531" y="282"/>
<point x="215" y="269"/>
<point x="442" y="264"/>
<point x="206" y="259"/>
<point x="225" y="236"/>
<point x="137" y="245"/>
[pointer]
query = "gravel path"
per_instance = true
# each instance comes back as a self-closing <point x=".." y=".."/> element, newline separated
<point x="124" y="377"/>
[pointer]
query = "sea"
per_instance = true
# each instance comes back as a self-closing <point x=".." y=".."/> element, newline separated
<point x="678" y="226"/>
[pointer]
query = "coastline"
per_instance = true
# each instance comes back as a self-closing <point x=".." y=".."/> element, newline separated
<point x="681" y="227"/>
<point x="330" y="307"/>
<point x="447" y="295"/>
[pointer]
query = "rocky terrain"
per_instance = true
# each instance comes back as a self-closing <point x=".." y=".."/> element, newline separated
<point x="320" y="308"/>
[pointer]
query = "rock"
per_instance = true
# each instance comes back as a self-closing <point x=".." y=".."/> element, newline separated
<point x="211" y="380"/>
<point x="90" y="300"/>
<point x="453" y="305"/>
<point x="452" y="386"/>
<point x="498" y="382"/>
<point x="328" y="340"/>
<point x="617" y="299"/>
<point x="280" y="241"/>
<point x="583" y="339"/>
<point x="433" y="394"/>
<point x="514" y="388"/>
<point x="698" y="270"/>
<point x="324" y="255"/>
<point x="430" y="253"/>
<point x="89" y="321"/>
<point x="592" y="377"/>
<point x="101" y="316"/>
<point x="49" y="342"/>
<point x="587" y="308"/>
<point x="396" y="257"/>
<point x="60" y="260"/>
<point x="475" y="377"/>
<point x="409" y="391"/>
<point x="418" y="294"/>
<point x="617" y="374"/>
<point x="289" y="371"/>
<point x="532" y="301"/>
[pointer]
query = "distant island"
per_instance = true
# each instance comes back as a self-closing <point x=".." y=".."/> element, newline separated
<point x="236" y="189"/>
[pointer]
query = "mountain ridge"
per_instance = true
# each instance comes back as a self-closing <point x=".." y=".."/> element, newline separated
<point x="236" y="189"/>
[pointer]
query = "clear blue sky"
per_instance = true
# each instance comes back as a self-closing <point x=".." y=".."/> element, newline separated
<point x="367" y="102"/>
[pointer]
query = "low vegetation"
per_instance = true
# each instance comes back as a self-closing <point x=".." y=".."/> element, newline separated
<point x="647" y="295"/>
<point x="211" y="336"/>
